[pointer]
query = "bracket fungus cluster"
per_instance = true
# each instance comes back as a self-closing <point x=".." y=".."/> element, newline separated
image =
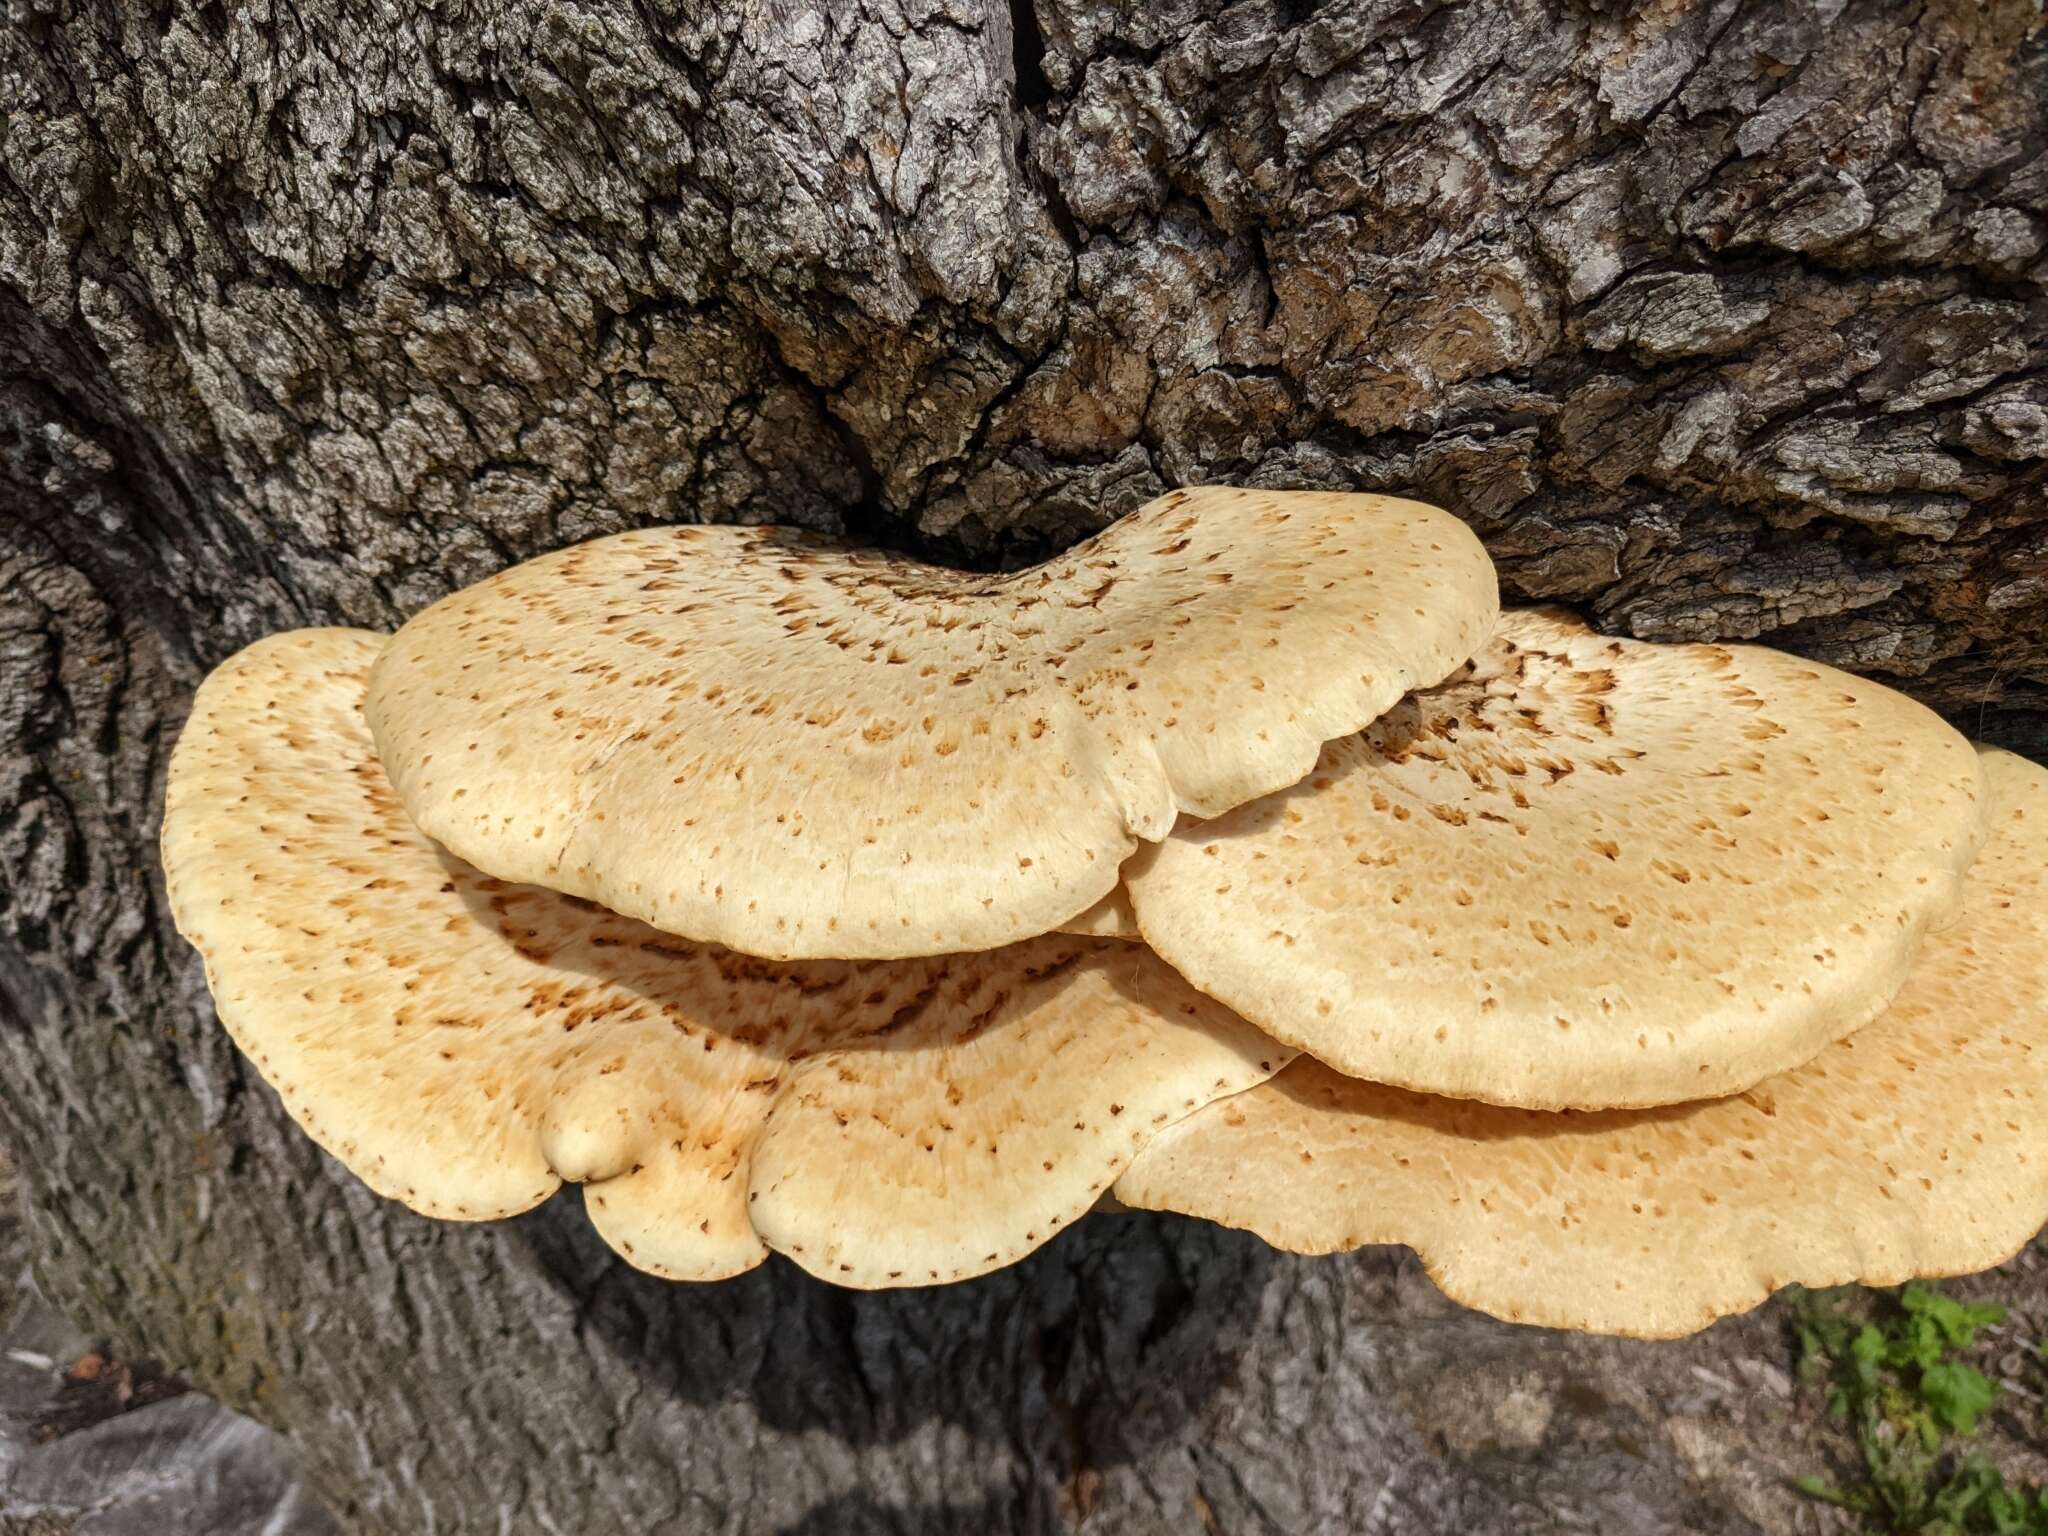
<point x="1245" y="862"/>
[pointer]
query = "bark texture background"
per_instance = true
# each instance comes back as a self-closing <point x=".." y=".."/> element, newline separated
<point x="1725" y="318"/>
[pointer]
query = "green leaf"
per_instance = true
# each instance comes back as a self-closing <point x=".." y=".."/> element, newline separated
<point x="1904" y="1395"/>
<point x="1857" y="1499"/>
<point x="2012" y="1512"/>
<point x="1956" y="1322"/>
<point x="1958" y="1395"/>
<point x="1867" y="1352"/>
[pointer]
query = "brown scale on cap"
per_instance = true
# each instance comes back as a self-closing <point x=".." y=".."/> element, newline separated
<point x="463" y="1044"/>
<point x="1582" y="872"/>
<point x="805" y="751"/>
<point x="1917" y="1146"/>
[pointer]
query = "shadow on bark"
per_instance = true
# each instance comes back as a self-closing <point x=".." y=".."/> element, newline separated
<point x="1121" y="1353"/>
<point x="862" y="1514"/>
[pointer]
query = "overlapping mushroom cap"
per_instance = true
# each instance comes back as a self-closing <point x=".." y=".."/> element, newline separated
<point x="463" y="1044"/>
<point x="804" y="750"/>
<point x="1582" y="873"/>
<point x="1917" y="1146"/>
<point x="1109" y="918"/>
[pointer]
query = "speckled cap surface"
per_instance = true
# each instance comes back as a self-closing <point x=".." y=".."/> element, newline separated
<point x="1582" y="873"/>
<point x="803" y="750"/>
<point x="463" y="1044"/>
<point x="1916" y="1147"/>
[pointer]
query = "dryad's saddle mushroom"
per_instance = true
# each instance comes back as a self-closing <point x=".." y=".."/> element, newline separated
<point x="463" y="1044"/>
<point x="1916" y="1146"/>
<point x="803" y="750"/>
<point x="1582" y="872"/>
<point x="1109" y="918"/>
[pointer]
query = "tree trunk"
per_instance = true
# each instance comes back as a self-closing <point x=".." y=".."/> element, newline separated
<point x="1717" y="319"/>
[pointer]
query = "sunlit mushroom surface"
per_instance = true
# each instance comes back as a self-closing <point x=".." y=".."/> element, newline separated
<point x="806" y="750"/>
<point x="1583" y="873"/>
<point x="1918" y="1146"/>
<point x="464" y="1044"/>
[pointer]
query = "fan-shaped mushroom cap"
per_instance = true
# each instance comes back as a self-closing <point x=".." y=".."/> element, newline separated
<point x="463" y="1044"/>
<point x="803" y="750"/>
<point x="1583" y="873"/>
<point x="1918" y="1146"/>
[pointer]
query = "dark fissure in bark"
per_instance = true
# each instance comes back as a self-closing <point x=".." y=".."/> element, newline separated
<point x="1028" y="56"/>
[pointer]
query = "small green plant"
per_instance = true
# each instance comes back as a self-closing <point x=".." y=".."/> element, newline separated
<point x="1894" y="1380"/>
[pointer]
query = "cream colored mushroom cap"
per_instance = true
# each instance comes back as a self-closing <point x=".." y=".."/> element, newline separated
<point x="1918" y="1146"/>
<point x="1109" y="918"/>
<point x="463" y="1044"/>
<point x="801" y="750"/>
<point x="1583" y="873"/>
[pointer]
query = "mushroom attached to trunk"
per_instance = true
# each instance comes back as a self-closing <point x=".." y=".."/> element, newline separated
<point x="804" y="750"/>
<point x="1582" y="873"/>
<point x="463" y="1044"/>
<point x="1918" y="1146"/>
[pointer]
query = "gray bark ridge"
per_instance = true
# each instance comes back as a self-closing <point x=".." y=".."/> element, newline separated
<point x="1717" y="320"/>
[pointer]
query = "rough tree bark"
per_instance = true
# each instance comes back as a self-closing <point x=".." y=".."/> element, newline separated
<point x="1724" y="318"/>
